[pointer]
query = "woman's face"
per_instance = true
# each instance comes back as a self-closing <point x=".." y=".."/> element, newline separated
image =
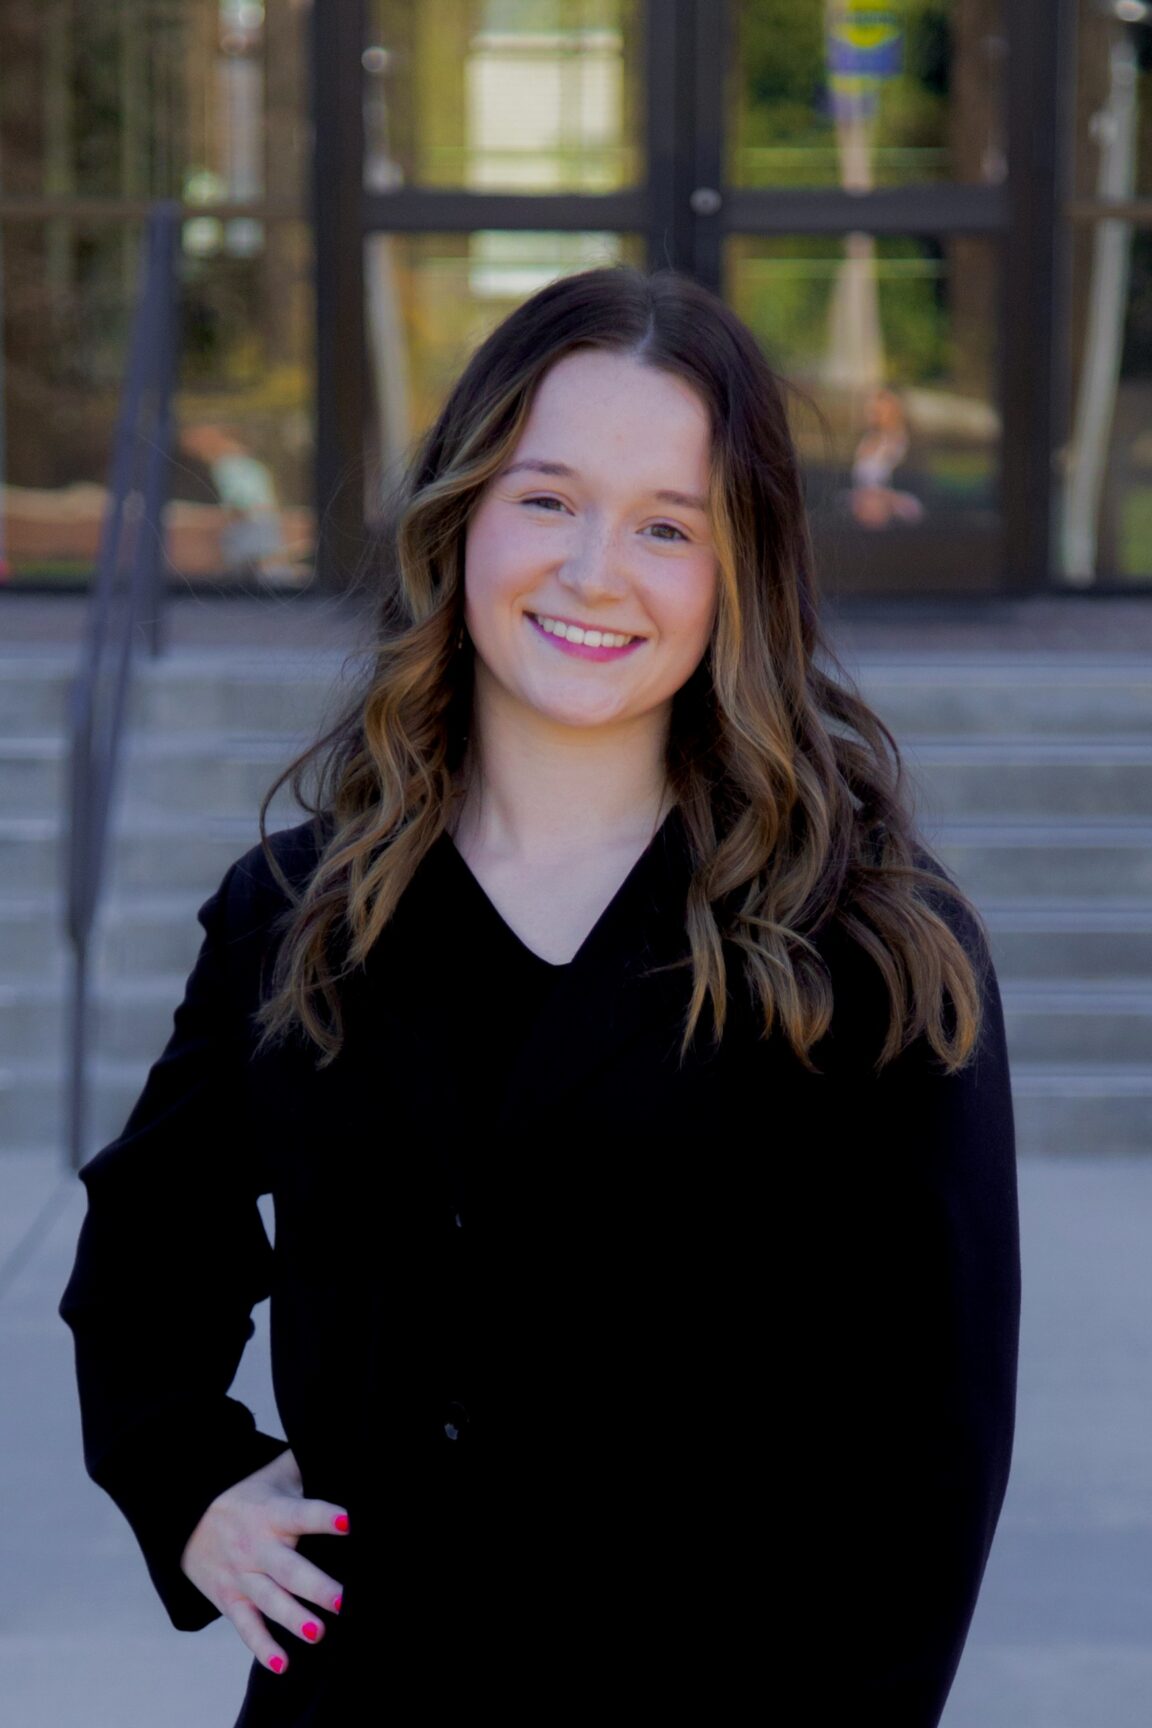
<point x="590" y="546"/>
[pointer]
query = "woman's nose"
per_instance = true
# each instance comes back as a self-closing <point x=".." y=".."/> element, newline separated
<point x="596" y="571"/>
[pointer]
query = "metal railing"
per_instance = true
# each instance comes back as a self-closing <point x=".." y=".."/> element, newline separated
<point x="126" y="606"/>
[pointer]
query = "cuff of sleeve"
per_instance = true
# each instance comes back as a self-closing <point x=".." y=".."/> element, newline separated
<point x="164" y="1485"/>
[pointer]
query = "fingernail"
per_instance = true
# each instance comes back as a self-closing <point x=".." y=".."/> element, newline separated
<point x="337" y="1604"/>
<point x="276" y="1663"/>
<point x="340" y="1522"/>
<point x="310" y="1631"/>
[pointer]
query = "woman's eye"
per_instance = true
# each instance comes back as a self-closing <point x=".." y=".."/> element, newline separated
<point x="671" y="526"/>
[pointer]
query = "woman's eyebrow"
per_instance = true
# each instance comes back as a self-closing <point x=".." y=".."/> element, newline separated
<point x="688" y="500"/>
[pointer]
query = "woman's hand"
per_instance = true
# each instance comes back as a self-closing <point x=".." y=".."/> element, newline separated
<point x="242" y="1556"/>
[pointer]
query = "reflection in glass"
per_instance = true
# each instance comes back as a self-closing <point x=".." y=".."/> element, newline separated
<point x="200" y="100"/>
<point x="241" y="480"/>
<point x="503" y="95"/>
<point x="1105" y="507"/>
<point x="1113" y="87"/>
<point x="432" y="298"/>
<point x="889" y="343"/>
<point x="1106" y="499"/>
<point x="851" y="93"/>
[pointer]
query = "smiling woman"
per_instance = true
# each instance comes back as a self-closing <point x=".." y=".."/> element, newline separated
<point x="631" y="1084"/>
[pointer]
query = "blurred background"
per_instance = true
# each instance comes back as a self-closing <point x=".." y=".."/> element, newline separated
<point x="937" y="215"/>
<point x="244" y="251"/>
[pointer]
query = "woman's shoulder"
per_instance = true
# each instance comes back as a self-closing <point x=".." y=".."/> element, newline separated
<point x="862" y="1000"/>
<point x="265" y="881"/>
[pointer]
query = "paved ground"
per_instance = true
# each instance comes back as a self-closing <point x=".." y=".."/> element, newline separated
<point x="1088" y="624"/>
<point x="1061" y="1637"/>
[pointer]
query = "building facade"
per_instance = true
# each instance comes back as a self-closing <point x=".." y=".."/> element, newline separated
<point x="935" y="214"/>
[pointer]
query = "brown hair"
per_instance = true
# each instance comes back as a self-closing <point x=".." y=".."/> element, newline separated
<point x="790" y="787"/>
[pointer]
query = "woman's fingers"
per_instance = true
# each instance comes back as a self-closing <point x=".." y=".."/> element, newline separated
<point x="313" y="1517"/>
<point x="276" y="1604"/>
<point x="293" y="1573"/>
<point x="243" y="1557"/>
<point x="255" y="1634"/>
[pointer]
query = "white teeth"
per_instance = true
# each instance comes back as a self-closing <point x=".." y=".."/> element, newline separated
<point x="591" y="638"/>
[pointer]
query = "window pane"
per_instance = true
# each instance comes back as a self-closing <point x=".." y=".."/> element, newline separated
<point x="504" y="95"/>
<point x="203" y="100"/>
<point x="194" y="99"/>
<point x="1105" y="512"/>
<point x="859" y="94"/>
<point x="891" y="338"/>
<point x="432" y="298"/>
<point x="241" y="482"/>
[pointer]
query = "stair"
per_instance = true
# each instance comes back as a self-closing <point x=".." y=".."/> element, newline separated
<point x="1031" y="776"/>
<point x="208" y="731"/>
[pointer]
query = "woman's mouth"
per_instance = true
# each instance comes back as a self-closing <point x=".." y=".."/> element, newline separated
<point x="583" y="640"/>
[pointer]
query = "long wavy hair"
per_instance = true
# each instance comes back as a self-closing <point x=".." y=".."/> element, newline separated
<point x="790" y="788"/>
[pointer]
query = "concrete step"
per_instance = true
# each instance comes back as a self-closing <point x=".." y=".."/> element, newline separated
<point x="220" y="772"/>
<point x="1065" y="1111"/>
<point x="281" y="691"/>
<point x="942" y="695"/>
<point x="1059" y="1110"/>
<point x="1044" y="937"/>
<point x="229" y="772"/>
<point x="34" y="686"/>
<point x="1079" y="1021"/>
<point x="181" y="852"/>
<point x="1105" y="858"/>
<point x="33" y="1104"/>
<point x="131" y="1018"/>
<point x="1053" y="778"/>
<point x="32" y="936"/>
<point x="1035" y="937"/>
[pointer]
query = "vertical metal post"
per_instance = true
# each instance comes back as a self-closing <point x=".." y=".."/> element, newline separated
<point x="1038" y="66"/>
<point x="338" y="228"/>
<point x="669" y="38"/>
<point x="711" y="49"/>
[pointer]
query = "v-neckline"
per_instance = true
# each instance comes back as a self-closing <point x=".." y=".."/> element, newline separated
<point x="497" y="919"/>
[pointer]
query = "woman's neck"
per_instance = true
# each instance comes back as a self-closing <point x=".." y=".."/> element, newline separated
<point x="537" y="790"/>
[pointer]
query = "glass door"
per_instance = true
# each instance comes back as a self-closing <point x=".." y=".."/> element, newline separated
<point x="841" y="172"/>
<point x="864" y="167"/>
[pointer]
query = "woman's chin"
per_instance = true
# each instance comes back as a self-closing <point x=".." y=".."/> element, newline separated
<point x="585" y="714"/>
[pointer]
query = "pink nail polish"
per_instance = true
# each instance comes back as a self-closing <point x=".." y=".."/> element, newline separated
<point x="341" y="1523"/>
<point x="337" y="1604"/>
<point x="310" y="1631"/>
<point x="276" y="1663"/>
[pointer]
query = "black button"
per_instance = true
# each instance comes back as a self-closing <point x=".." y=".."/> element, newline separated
<point x="456" y="1420"/>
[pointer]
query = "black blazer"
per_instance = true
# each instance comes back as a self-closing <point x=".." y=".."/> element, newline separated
<point x="689" y="1385"/>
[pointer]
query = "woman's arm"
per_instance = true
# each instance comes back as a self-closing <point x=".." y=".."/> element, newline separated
<point x="915" y="1382"/>
<point x="171" y="1259"/>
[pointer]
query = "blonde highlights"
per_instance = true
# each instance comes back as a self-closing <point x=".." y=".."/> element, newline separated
<point x="790" y="788"/>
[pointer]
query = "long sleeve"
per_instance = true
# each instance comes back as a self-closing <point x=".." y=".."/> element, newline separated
<point x="917" y="1293"/>
<point x="171" y="1259"/>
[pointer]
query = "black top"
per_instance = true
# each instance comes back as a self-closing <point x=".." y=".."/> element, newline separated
<point x="500" y="988"/>
<point x="678" y="1383"/>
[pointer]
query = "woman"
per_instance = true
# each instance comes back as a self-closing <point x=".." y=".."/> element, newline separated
<point x="631" y="1086"/>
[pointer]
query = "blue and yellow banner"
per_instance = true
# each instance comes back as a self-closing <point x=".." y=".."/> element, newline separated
<point x="865" y="47"/>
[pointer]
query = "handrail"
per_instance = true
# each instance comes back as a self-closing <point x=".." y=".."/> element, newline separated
<point x="127" y="598"/>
